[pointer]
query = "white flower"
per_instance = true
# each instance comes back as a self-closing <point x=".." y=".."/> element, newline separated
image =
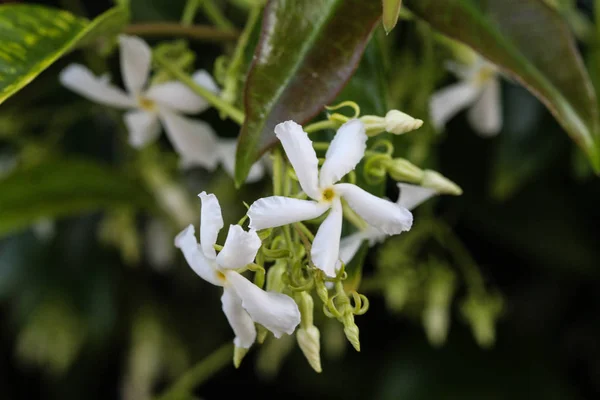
<point x="345" y="152"/>
<point x="478" y="90"/>
<point x="243" y="302"/>
<point x="410" y="197"/>
<point x="226" y="152"/>
<point x="194" y="140"/>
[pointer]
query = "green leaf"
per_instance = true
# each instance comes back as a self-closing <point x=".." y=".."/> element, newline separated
<point x="307" y="52"/>
<point x="391" y="12"/>
<point x="65" y="187"/>
<point x="530" y="42"/>
<point x="34" y="37"/>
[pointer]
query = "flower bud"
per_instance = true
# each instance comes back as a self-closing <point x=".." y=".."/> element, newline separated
<point x="275" y="278"/>
<point x="482" y="312"/>
<point x="309" y="342"/>
<point x="439" y="291"/>
<point x="403" y="170"/>
<point x="397" y="122"/>
<point x="351" y="331"/>
<point x="435" y="180"/>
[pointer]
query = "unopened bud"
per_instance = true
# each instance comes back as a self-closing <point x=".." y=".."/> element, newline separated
<point x="238" y="355"/>
<point x="305" y="305"/>
<point x="321" y="290"/>
<point x="275" y="277"/>
<point x="441" y="184"/>
<point x="439" y="292"/>
<point x="403" y="170"/>
<point x="309" y="342"/>
<point x="351" y="332"/>
<point x="482" y="312"/>
<point x="397" y="122"/>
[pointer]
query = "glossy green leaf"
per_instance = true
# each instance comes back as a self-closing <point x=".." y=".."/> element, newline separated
<point x="33" y="37"/>
<point x="530" y="42"/>
<point x="307" y="52"/>
<point x="391" y="12"/>
<point x="65" y="187"/>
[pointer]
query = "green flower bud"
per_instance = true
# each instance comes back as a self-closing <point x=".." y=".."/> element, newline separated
<point x="440" y="288"/>
<point x="403" y="170"/>
<point x="482" y="312"/>
<point x="275" y="277"/>
<point x="395" y="122"/>
<point x="309" y="342"/>
<point x="441" y="184"/>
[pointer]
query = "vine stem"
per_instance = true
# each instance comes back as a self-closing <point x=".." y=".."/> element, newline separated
<point x="200" y="32"/>
<point x="227" y="109"/>
<point x="189" y="12"/>
<point x="199" y="374"/>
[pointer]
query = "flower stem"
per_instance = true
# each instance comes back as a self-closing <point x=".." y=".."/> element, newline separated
<point x="199" y="373"/>
<point x="216" y="16"/>
<point x="321" y="125"/>
<point x="200" y="32"/>
<point x="189" y="12"/>
<point x="221" y="105"/>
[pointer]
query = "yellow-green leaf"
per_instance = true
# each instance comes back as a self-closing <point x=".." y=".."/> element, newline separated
<point x="33" y="37"/>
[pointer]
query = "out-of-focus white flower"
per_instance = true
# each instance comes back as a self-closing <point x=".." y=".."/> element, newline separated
<point x="478" y="90"/>
<point x="344" y="153"/>
<point x="243" y="302"/>
<point x="195" y="141"/>
<point x="410" y="197"/>
<point x="226" y="153"/>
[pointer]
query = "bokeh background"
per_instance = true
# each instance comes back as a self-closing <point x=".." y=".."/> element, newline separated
<point x="85" y="314"/>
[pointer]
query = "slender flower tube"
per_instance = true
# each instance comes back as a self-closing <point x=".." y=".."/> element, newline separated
<point x="344" y="153"/>
<point x="478" y="90"/>
<point x="243" y="302"/>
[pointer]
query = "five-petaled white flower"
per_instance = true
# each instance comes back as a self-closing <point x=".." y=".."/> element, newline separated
<point x="478" y="89"/>
<point x="195" y="141"/>
<point x="410" y="197"/>
<point x="243" y="302"/>
<point x="344" y="153"/>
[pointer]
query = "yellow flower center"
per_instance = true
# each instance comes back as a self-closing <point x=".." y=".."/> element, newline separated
<point x="146" y="104"/>
<point x="328" y="194"/>
<point x="484" y="75"/>
<point x="221" y="276"/>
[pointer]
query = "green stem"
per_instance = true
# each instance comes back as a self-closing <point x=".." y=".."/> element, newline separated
<point x="237" y="61"/>
<point x="221" y="105"/>
<point x="321" y="125"/>
<point x="199" y="373"/>
<point x="189" y="12"/>
<point x="200" y="32"/>
<point x="277" y="175"/>
<point x="216" y="16"/>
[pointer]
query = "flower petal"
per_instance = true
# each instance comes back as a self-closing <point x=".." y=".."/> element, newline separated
<point x="239" y="319"/>
<point x="450" y="100"/>
<point x="179" y="97"/>
<point x="412" y="196"/>
<point x="211" y="222"/>
<point x="345" y="151"/>
<point x="240" y="248"/>
<point x="270" y="212"/>
<point x="195" y="141"/>
<point x="349" y="246"/>
<point x="275" y="311"/>
<point x="227" y="149"/>
<point x="143" y="127"/>
<point x="83" y="82"/>
<point x="388" y="217"/>
<point x="325" y="251"/>
<point x="136" y="57"/>
<point x="485" y="116"/>
<point x="299" y="150"/>
<point x="186" y="241"/>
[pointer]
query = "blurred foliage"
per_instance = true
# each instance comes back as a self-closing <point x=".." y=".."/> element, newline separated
<point x="91" y="308"/>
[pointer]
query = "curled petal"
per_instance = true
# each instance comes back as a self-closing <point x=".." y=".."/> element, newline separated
<point x="239" y="319"/>
<point x="345" y="151"/>
<point x="299" y="150"/>
<point x="275" y="311"/>
<point x="195" y="141"/>
<point x="412" y="196"/>
<point x="387" y="217"/>
<point x="240" y="248"/>
<point x="136" y="57"/>
<point x="143" y="127"/>
<point x="227" y="149"/>
<point x="485" y="116"/>
<point x="270" y="212"/>
<point x="211" y="222"/>
<point x="186" y="241"/>
<point x="325" y="251"/>
<point x="449" y="101"/>
<point x="83" y="82"/>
